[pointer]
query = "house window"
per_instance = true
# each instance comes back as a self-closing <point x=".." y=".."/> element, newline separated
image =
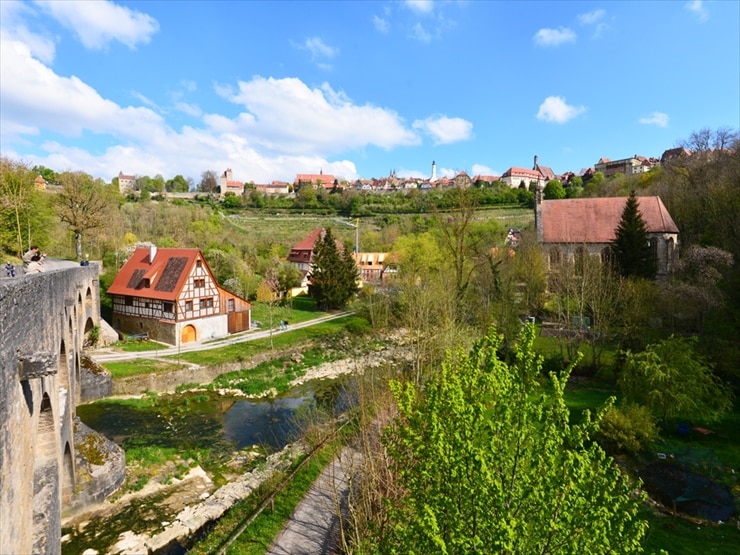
<point x="129" y="301"/>
<point x="206" y="302"/>
<point x="146" y="283"/>
<point x="169" y="307"/>
<point x="230" y="305"/>
<point x="555" y="256"/>
<point x="199" y="282"/>
<point x="198" y="263"/>
<point x="188" y="306"/>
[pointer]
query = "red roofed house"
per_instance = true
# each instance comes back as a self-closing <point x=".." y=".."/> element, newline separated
<point x="538" y="175"/>
<point x="126" y="183"/>
<point x="627" y="166"/>
<point x="570" y="228"/>
<point x="315" y="180"/>
<point x="228" y="184"/>
<point x="301" y="255"/>
<point x="172" y="295"/>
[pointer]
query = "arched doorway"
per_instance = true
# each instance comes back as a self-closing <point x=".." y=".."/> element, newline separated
<point x="188" y="334"/>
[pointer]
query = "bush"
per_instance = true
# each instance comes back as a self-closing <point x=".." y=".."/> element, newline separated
<point x="629" y="429"/>
<point x="358" y="326"/>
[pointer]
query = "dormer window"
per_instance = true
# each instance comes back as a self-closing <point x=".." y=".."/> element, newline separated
<point x="146" y="283"/>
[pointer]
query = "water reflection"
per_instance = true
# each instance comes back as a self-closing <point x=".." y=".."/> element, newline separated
<point x="191" y="421"/>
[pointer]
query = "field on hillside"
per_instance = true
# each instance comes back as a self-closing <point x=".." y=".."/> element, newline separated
<point x="290" y="228"/>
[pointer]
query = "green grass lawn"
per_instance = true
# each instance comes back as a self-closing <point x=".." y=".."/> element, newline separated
<point x="239" y="352"/>
<point x="243" y="351"/>
<point x="125" y="369"/>
<point x="300" y="309"/>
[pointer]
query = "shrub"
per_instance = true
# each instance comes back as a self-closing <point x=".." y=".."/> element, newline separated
<point x="629" y="429"/>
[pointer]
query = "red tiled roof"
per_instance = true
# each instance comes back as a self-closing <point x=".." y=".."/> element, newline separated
<point x="303" y="251"/>
<point x="325" y="178"/>
<point x="309" y="242"/>
<point x="167" y="273"/>
<point x="594" y="220"/>
<point x="521" y="171"/>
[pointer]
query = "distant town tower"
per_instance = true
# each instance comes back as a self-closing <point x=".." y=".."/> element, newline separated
<point x="434" y="172"/>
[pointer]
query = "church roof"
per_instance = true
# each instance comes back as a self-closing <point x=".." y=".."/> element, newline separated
<point x="594" y="220"/>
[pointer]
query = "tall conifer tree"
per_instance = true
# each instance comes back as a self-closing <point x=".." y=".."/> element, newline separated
<point x="333" y="278"/>
<point x="633" y="254"/>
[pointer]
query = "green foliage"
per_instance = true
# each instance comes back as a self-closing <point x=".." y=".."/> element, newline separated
<point x="334" y="274"/>
<point x="25" y="213"/>
<point x="630" y="429"/>
<point x="674" y="381"/>
<point x="632" y="252"/>
<point x="554" y="190"/>
<point x="490" y="464"/>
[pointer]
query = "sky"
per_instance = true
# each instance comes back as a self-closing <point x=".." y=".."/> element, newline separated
<point x="359" y="89"/>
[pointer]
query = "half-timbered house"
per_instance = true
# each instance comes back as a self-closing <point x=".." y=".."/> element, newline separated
<point x="172" y="296"/>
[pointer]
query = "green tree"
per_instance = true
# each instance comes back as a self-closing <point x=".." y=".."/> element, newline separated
<point x="177" y="184"/>
<point x="633" y="254"/>
<point x="554" y="190"/>
<point x="333" y="277"/>
<point x="675" y="381"/>
<point x="16" y="205"/>
<point x="83" y="204"/>
<point x="489" y="463"/>
<point x="288" y="276"/>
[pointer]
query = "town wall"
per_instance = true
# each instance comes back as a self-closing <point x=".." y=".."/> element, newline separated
<point x="44" y="319"/>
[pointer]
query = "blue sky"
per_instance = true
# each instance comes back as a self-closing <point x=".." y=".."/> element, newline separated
<point x="357" y="89"/>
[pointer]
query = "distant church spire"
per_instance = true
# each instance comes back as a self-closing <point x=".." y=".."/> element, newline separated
<point x="434" y="171"/>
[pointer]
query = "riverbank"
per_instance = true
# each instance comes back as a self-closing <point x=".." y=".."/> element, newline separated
<point x="175" y="504"/>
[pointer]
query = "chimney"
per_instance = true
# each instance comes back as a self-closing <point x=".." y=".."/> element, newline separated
<point x="152" y="253"/>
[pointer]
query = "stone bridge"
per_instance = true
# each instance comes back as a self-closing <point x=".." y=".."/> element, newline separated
<point x="45" y="320"/>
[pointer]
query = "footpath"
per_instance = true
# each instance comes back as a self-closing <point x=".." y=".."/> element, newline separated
<point x="314" y="526"/>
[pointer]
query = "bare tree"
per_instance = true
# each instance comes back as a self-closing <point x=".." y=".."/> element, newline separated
<point x="208" y="182"/>
<point x="83" y="204"/>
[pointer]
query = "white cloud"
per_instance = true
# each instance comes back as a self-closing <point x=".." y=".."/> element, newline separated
<point x="319" y="49"/>
<point x="189" y="109"/>
<point x="14" y="28"/>
<point x="554" y="109"/>
<point x="445" y="130"/>
<point x="322" y="124"/>
<point x="320" y="120"/>
<point x="591" y="17"/>
<point x="98" y="23"/>
<point x="420" y="6"/>
<point x="656" y="118"/>
<point x="34" y="94"/>
<point x="480" y="169"/>
<point x="698" y="8"/>
<point x="418" y="32"/>
<point x="381" y="25"/>
<point x="554" y="37"/>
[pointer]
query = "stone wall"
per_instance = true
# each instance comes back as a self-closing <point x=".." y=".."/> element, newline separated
<point x="43" y="321"/>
